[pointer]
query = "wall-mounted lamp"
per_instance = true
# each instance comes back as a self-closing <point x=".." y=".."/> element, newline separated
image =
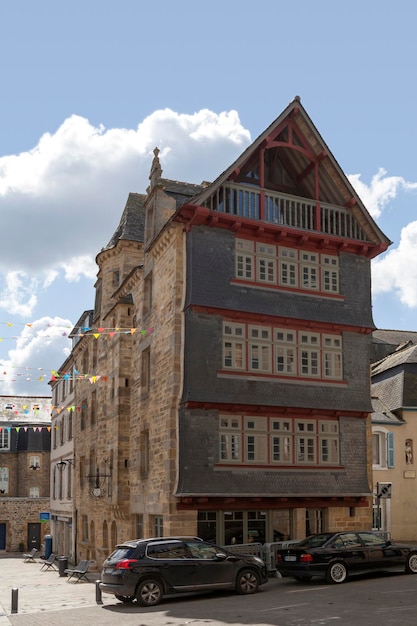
<point x="98" y="480"/>
<point x="61" y="464"/>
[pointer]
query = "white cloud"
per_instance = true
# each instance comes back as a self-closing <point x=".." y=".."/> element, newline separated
<point x="381" y="191"/>
<point x="35" y="351"/>
<point x="18" y="296"/>
<point x="63" y="199"/>
<point x="397" y="270"/>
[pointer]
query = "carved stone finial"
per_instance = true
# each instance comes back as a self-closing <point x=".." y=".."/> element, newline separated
<point x="156" y="170"/>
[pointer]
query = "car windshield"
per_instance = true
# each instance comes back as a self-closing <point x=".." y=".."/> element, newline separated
<point x="315" y="541"/>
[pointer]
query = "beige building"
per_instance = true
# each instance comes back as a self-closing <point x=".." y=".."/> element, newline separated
<point x="25" y="434"/>
<point x="394" y="437"/>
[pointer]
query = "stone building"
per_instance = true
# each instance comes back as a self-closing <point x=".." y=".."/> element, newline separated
<point x="25" y="440"/>
<point x="225" y="387"/>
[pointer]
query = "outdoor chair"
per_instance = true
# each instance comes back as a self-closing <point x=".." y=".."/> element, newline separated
<point x="49" y="563"/>
<point x="80" y="571"/>
<point x="30" y="557"/>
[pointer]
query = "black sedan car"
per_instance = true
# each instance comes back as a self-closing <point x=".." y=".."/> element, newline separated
<point x="335" y="556"/>
<point x="147" y="569"/>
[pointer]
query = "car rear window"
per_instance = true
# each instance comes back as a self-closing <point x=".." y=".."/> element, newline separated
<point x="315" y="541"/>
<point x="121" y="553"/>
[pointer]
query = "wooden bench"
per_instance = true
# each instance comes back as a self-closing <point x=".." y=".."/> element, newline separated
<point x="79" y="572"/>
<point x="49" y="563"/>
<point x="30" y="557"/>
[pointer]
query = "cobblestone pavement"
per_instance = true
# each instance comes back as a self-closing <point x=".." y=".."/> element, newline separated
<point x="40" y="591"/>
<point x="46" y="599"/>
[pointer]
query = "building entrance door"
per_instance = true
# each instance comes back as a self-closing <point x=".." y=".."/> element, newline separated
<point x="2" y="536"/>
<point x="34" y="536"/>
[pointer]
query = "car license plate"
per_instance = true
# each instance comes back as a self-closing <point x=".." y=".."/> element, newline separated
<point x="290" y="558"/>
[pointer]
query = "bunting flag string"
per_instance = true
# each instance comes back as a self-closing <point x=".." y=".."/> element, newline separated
<point x="54" y="375"/>
<point x="36" y="428"/>
<point x="85" y="331"/>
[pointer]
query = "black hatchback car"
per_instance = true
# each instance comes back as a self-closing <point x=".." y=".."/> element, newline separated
<point x="337" y="555"/>
<point x="147" y="569"/>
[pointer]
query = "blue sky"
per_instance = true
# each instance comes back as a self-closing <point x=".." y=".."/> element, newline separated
<point x="90" y="87"/>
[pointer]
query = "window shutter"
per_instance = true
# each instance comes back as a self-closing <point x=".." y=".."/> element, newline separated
<point x="390" y="449"/>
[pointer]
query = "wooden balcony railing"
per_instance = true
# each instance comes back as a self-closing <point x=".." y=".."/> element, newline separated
<point x="286" y="210"/>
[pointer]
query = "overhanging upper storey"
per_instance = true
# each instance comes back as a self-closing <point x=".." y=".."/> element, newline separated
<point x="288" y="185"/>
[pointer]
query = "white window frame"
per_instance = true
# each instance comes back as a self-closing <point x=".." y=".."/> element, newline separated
<point x="256" y="439"/>
<point x="288" y="267"/>
<point x="266" y="263"/>
<point x="34" y="492"/>
<point x="234" y="346"/>
<point x="309" y="270"/>
<point x="305" y="442"/>
<point x="385" y="439"/>
<point x="35" y="462"/>
<point x="332" y="356"/>
<point x="285" y="352"/>
<point x="329" y="442"/>
<point x="230" y="440"/>
<point x="5" y="438"/>
<point x="330" y="273"/>
<point x="245" y="259"/>
<point x="309" y="354"/>
<point x="281" y="441"/>
<point x="260" y="349"/>
<point x="4" y="479"/>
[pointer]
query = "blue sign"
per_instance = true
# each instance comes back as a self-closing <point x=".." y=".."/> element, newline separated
<point x="44" y="517"/>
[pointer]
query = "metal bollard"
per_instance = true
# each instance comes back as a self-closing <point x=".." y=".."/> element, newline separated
<point x="98" y="593"/>
<point x="15" y="597"/>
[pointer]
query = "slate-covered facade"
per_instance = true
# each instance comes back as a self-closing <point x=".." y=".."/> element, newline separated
<point x="231" y="339"/>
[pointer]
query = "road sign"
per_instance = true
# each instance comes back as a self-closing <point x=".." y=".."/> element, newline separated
<point x="383" y="490"/>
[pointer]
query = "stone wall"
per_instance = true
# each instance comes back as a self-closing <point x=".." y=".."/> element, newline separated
<point x="17" y="513"/>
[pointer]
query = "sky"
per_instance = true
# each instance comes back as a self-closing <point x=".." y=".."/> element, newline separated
<point x="89" y="89"/>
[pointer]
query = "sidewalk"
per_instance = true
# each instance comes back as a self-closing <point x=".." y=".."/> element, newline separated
<point x="41" y="591"/>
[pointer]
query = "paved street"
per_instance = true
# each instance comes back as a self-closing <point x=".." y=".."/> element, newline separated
<point x="46" y="599"/>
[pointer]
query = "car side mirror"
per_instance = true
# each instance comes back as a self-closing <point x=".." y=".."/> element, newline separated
<point x="221" y="556"/>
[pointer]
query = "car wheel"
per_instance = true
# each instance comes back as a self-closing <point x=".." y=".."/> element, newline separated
<point x="336" y="573"/>
<point x="302" y="579"/>
<point x="123" y="598"/>
<point x="149" y="592"/>
<point x="411" y="563"/>
<point x="247" y="582"/>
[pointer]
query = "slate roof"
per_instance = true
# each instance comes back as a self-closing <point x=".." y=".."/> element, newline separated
<point x="404" y="354"/>
<point x="132" y="222"/>
<point x="382" y="415"/>
<point x="394" y="337"/>
<point x="180" y="191"/>
<point x="390" y="391"/>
